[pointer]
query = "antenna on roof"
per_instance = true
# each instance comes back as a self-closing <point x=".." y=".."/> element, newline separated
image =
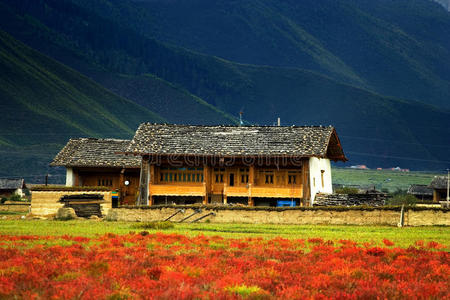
<point x="241" y="122"/>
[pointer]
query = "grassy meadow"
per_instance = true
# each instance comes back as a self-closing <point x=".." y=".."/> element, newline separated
<point x="402" y="237"/>
<point x="382" y="179"/>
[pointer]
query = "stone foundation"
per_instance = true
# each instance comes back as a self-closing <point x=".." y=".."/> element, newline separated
<point x="312" y="216"/>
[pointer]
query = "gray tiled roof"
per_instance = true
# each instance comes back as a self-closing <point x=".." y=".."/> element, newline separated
<point x="90" y="152"/>
<point x="419" y="189"/>
<point x="11" y="184"/>
<point x="439" y="182"/>
<point x="235" y="141"/>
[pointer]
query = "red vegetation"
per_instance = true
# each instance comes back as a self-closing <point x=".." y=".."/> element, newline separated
<point x="169" y="266"/>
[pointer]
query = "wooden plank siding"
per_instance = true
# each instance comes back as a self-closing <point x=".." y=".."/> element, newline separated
<point x="235" y="181"/>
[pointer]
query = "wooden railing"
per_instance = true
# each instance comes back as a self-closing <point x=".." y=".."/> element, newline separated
<point x="177" y="190"/>
<point x="228" y="191"/>
<point x="264" y="192"/>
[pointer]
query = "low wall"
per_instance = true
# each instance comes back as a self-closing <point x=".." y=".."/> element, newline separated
<point x="45" y="203"/>
<point x="334" y="216"/>
<point x="15" y="207"/>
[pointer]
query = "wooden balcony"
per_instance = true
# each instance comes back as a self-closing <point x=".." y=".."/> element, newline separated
<point x="264" y="192"/>
<point x="228" y="191"/>
<point x="177" y="190"/>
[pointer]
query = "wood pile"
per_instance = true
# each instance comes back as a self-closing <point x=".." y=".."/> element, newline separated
<point x="370" y="199"/>
<point x="85" y="205"/>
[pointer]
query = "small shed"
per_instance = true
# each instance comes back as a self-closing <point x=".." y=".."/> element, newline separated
<point x="9" y="187"/>
<point x="439" y="186"/>
<point x="421" y="192"/>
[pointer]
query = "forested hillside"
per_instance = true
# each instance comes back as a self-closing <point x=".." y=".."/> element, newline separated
<point x="328" y="62"/>
<point x="44" y="103"/>
<point x="395" y="48"/>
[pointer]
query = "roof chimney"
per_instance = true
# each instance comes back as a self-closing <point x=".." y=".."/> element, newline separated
<point x="279" y="121"/>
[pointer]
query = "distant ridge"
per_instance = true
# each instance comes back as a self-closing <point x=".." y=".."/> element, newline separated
<point x="122" y="46"/>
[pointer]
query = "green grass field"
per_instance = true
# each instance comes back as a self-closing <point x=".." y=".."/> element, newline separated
<point x="383" y="179"/>
<point x="402" y="237"/>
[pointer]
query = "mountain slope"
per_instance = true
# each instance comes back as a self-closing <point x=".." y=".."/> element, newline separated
<point x="397" y="48"/>
<point x="104" y="58"/>
<point x="374" y="130"/>
<point x="44" y="103"/>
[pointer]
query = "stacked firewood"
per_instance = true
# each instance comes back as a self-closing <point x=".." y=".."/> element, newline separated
<point x="370" y="199"/>
<point x="85" y="205"/>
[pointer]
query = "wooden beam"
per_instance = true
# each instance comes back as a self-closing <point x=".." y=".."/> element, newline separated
<point x="251" y="182"/>
<point x="206" y="182"/>
<point x="122" y="185"/>
<point x="305" y="182"/>
<point x="144" y="181"/>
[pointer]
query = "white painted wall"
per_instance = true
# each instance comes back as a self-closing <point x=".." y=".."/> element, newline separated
<point x="70" y="178"/>
<point x="20" y="192"/>
<point x="316" y="166"/>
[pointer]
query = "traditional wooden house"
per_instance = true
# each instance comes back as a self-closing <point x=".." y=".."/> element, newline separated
<point x="95" y="162"/>
<point x="254" y="165"/>
<point x="439" y="186"/>
<point x="9" y="187"/>
<point x="421" y="192"/>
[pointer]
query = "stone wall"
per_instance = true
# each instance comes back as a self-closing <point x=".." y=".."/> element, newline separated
<point x="350" y="216"/>
<point x="44" y="203"/>
<point x="15" y="207"/>
<point x="375" y="199"/>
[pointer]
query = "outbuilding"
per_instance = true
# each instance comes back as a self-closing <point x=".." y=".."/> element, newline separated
<point x="92" y="162"/>
<point x="9" y="187"/>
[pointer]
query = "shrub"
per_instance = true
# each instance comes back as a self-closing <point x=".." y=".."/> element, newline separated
<point x="3" y="200"/>
<point x="402" y="199"/>
<point x="15" y="197"/>
<point x="160" y="225"/>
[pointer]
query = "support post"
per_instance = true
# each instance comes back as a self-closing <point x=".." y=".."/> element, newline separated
<point x="122" y="185"/>
<point x="206" y="182"/>
<point x="144" y="181"/>
<point x="305" y="182"/>
<point x="251" y="182"/>
<point x="225" y="193"/>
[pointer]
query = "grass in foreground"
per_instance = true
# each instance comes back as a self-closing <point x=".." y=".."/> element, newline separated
<point x="402" y="237"/>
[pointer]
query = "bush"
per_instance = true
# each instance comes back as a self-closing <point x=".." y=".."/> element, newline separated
<point x="402" y="199"/>
<point x="160" y="225"/>
<point x="346" y="190"/>
<point x="15" y="197"/>
<point x="3" y="200"/>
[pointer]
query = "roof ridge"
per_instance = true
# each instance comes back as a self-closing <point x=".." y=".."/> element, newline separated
<point x="99" y="139"/>
<point x="237" y="126"/>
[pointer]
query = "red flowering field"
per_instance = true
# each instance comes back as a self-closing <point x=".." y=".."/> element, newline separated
<point x="173" y="266"/>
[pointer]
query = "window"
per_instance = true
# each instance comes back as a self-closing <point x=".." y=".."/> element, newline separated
<point x="292" y="179"/>
<point x="269" y="179"/>
<point x="104" y="182"/>
<point x="219" y="174"/>
<point x="244" y="175"/>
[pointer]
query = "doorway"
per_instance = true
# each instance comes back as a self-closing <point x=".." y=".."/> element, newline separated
<point x="231" y="179"/>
